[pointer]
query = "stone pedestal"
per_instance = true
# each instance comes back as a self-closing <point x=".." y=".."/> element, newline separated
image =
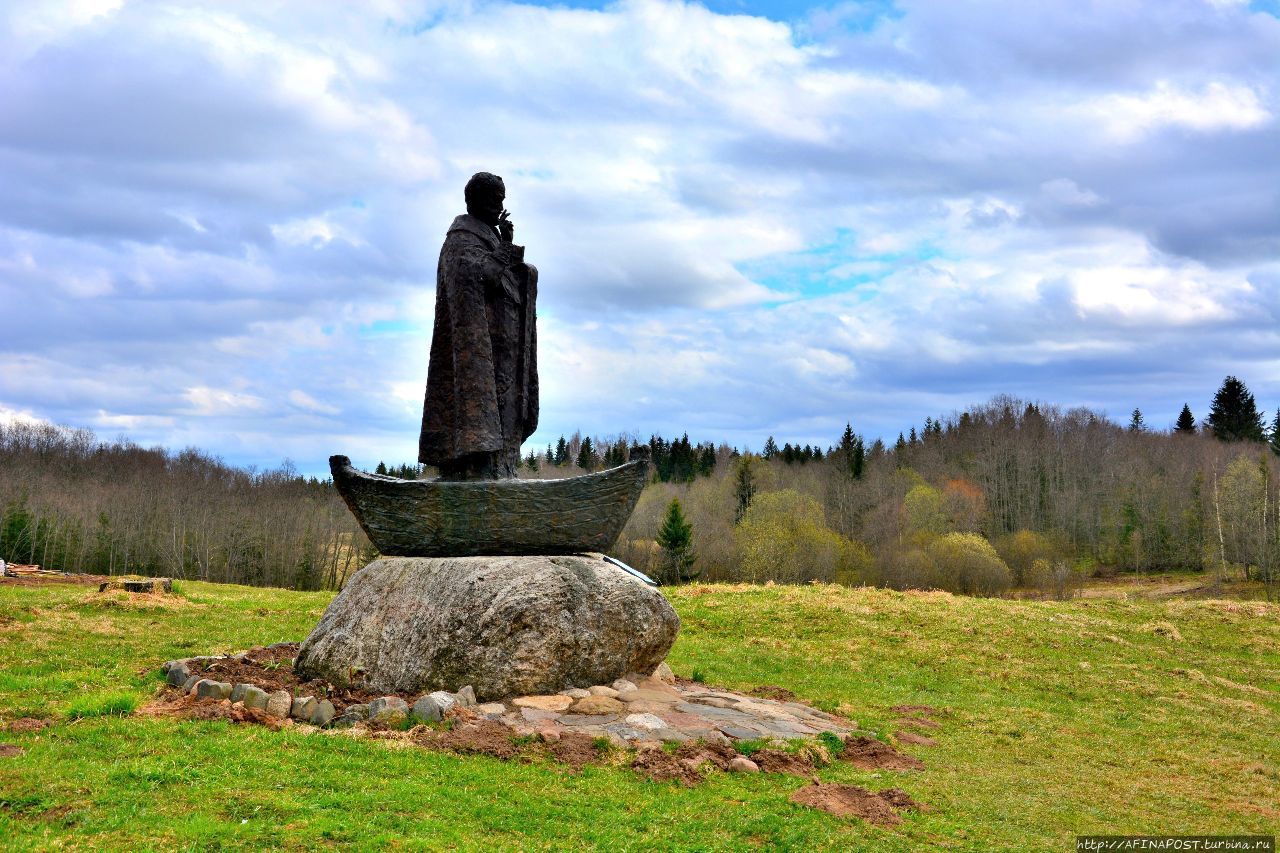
<point x="504" y="625"/>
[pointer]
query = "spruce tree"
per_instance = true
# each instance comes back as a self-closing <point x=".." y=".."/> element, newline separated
<point x="1234" y="415"/>
<point x="587" y="455"/>
<point x="675" y="538"/>
<point x="1275" y="433"/>
<point x="744" y="486"/>
<point x="770" y="448"/>
<point x="1136" y="424"/>
<point x="532" y="461"/>
<point x="381" y="469"/>
<point x="562" y="452"/>
<point x="1186" y="421"/>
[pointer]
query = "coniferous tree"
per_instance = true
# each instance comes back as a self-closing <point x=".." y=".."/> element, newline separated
<point x="744" y="486"/>
<point x="562" y="451"/>
<point x="532" y="461"/>
<point x="675" y="538"/>
<point x="788" y="453"/>
<point x="551" y="455"/>
<point x="1275" y="433"/>
<point x="381" y="469"/>
<point x="900" y="445"/>
<point x="1186" y="421"/>
<point x="587" y="460"/>
<point x="707" y="460"/>
<point x="817" y="454"/>
<point x="770" y="448"/>
<point x="1136" y="423"/>
<point x="914" y="439"/>
<point x="1234" y="415"/>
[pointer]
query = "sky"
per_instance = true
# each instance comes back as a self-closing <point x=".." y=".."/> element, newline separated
<point x="219" y="222"/>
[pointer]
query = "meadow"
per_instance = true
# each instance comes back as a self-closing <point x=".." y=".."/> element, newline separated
<point x="1097" y="715"/>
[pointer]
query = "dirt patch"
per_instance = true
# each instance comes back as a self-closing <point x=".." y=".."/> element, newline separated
<point x="867" y="753"/>
<point x="28" y="724"/>
<point x="880" y="808"/>
<point x="10" y="750"/>
<point x="483" y="737"/>
<point x="272" y="669"/>
<point x="661" y="766"/>
<point x="916" y="711"/>
<point x="773" y="691"/>
<point x="912" y="737"/>
<point x="777" y="761"/>
<point x="215" y="709"/>
<point x="718" y="755"/>
<point x="575" y="749"/>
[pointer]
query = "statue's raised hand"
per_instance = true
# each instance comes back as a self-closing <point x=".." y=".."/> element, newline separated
<point x="506" y="228"/>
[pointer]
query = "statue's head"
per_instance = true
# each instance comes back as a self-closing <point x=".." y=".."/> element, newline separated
<point x="485" y="194"/>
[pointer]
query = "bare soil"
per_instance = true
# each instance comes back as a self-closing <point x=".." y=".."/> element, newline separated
<point x="661" y="766"/>
<point x="576" y="749"/>
<point x="773" y="691"/>
<point x="272" y="669"/>
<point x="916" y="723"/>
<point x="28" y="724"/>
<point x="481" y="737"/>
<point x="867" y="753"/>
<point x="917" y="711"/>
<point x="9" y="750"/>
<point x="880" y="808"/>
<point x="777" y="761"/>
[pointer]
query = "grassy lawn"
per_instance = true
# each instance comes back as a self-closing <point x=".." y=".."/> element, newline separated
<point x="1093" y="716"/>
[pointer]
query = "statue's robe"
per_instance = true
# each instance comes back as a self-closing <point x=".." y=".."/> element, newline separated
<point x="482" y="382"/>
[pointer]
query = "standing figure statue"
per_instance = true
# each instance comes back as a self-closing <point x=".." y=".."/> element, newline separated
<point x="482" y="382"/>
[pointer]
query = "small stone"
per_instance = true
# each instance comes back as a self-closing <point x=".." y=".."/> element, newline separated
<point x="467" y="697"/>
<point x="716" y="736"/>
<point x="426" y="709"/>
<point x="255" y="697"/>
<point x="543" y="703"/>
<point x="575" y="693"/>
<point x="386" y="708"/>
<point x="445" y="700"/>
<point x="648" y="722"/>
<point x="279" y="704"/>
<point x="191" y="682"/>
<point x="534" y="715"/>
<point x="177" y="673"/>
<point x="622" y="685"/>
<point x="601" y="690"/>
<point x="237" y="692"/>
<point x="302" y="708"/>
<point x="491" y="710"/>
<point x="207" y="688"/>
<point x="742" y="764"/>
<point x="597" y="705"/>
<point x="360" y="712"/>
<point x="323" y="713"/>
<point x="671" y="736"/>
<point x="664" y="673"/>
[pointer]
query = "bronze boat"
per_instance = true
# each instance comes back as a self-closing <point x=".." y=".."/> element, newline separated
<point x="435" y="518"/>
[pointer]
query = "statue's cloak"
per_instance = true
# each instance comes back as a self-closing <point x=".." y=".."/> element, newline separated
<point x="482" y="381"/>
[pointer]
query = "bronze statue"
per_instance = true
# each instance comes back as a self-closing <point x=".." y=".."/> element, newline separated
<point x="482" y="382"/>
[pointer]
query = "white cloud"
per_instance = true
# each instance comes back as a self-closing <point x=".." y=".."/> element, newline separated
<point x="221" y="220"/>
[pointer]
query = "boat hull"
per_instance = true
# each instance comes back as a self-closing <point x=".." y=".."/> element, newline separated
<point x="435" y="518"/>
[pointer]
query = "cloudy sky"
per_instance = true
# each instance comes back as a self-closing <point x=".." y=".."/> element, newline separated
<point x="219" y="221"/>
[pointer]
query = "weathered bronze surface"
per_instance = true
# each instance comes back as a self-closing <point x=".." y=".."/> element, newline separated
<point x="482" y="382"/>
<point x="441" y="518"/>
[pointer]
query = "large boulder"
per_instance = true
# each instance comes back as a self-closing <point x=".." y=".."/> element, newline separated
<point x="507" y="626"/>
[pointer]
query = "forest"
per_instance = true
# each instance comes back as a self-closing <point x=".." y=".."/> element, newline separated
<point x="1003" y="496"/>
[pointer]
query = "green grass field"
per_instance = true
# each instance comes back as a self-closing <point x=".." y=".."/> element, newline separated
<point x="1094" y="716"/>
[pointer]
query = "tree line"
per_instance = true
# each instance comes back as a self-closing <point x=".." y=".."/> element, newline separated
<point x="69" y="501"/>
<point x="1006" y="494"/>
